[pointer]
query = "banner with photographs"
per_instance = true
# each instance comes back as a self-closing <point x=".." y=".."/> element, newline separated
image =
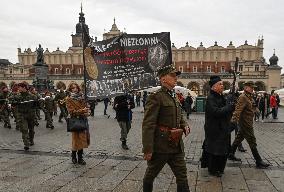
<point x="125" y="63"/>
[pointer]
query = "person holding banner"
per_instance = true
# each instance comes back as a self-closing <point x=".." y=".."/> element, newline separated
<point x="162" y="129"/>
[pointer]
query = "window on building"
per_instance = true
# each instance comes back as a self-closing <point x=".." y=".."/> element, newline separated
<point x="67" y="71"/>
<point x="22" y="70"/>
<point x="79" y="71"/>
<point x="223" y="69"/>
<point x="55" y="70"/>
<point x="194" y="69"/>
<point x="242" y="54"/>
<point x="256" y="67"/>
<point x="11" y="71"/>
<point x="249" y="55"/>
<point x="208" y="68"/>
<point x="190" y="56"/>
<point x="183" y="56"/>
<point x="211" y="55"/>
<point x="204" y="56"/>
<point x="180" y="68"/>
<point x="197" y="56"/>
<point x="218" y="56"/>
<point x="240" y="68"/>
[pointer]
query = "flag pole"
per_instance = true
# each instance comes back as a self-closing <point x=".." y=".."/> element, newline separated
<point x="84" y="63"/>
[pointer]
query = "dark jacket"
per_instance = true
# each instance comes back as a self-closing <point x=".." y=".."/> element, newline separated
<point x="120" y="105"/>
<point x="217" y="123"/>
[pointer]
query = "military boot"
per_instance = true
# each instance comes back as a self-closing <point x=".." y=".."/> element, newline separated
<point x="74" y="158"/>
<point x="80" y="158"/>
<point x="258" y="161"/>
<point x="231" y="155"/>
<point x="183" y="187"/>
<point x="124" y="146"/>
<point x="147" y="186"/>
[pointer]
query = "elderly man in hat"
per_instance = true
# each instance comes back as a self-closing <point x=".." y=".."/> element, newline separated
<point x="217" y="134"/>
<point x="243" y="117"/>
<point x="162" y="130"/>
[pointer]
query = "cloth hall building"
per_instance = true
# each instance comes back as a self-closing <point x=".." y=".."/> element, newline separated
<point x="196" y="64"/>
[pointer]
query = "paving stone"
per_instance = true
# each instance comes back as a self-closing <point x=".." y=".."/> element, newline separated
<point x="128" y="186"/>
<point x="260" y="186"/>
<point x="254" y="174"/>
<point x="276" y="178"/>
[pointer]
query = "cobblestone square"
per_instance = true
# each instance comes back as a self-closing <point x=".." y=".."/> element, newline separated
<point x="48" y="167"/>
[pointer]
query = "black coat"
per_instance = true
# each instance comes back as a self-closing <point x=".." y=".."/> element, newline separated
<point x="217" y="124"/>
<point x="120" y="105"/>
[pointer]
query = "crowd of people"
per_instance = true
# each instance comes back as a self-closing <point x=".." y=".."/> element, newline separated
<point x="163" y="123"/>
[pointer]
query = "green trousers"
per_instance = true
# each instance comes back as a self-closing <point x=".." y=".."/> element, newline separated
<point x="248" y="134"/>
<point x="175" y="161"/>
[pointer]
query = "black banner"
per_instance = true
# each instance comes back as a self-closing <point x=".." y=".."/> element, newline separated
<point x="125" y="63"/>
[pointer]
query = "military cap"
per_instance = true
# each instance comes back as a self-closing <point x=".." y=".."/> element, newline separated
<point x="249" y="83"/>
<point x="166" y="70"/>
<point x="214" y="79"/>
<point x="4" y="87"/>
<point x="24" y="85"/>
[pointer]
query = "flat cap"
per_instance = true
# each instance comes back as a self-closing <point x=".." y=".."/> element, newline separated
<point x="166" y="70"/>
<point x="214" y="79"/>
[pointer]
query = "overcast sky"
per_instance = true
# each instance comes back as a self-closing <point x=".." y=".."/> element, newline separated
<point x="27" y="23"/>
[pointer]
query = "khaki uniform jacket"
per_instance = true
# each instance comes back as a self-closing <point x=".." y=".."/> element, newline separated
<point x="244" y="111"/>
<point x="161" y="109"/>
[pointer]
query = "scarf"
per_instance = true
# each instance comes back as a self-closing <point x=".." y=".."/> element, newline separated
<point x="76" y="96"/>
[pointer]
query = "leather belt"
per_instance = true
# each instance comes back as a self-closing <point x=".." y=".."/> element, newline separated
<point x="164" y="128"/>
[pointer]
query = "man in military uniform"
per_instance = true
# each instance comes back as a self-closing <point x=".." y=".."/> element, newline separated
<point x="60" y="99"/>
<point x="33" y="91"/>
<point x="26" y="103"/>
<point x="14" y="106"/>
<point x="4" y="107"/>
<point x="48" y="108"/>
<point x="243" y="118"/>
<point x="162" y="129"/>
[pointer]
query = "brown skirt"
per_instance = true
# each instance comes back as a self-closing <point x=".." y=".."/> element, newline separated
<point x="80" y="140"/>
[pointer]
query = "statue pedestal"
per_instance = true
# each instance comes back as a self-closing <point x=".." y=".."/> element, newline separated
<point x="41" y="81"/>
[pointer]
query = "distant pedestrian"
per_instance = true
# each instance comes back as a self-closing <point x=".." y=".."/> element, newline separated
<point x="262" y="106"/>
<point x="48" y="109"/>
<point x="106" y="103"/>
<point x="123" y="105"/>
<point x="138" y="99"/>
<point x="273" y="105"/>
<point x="187" y="105"/>
<point x="144" y="98"/>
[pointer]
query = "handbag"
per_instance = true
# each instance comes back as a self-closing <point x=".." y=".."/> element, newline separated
<point x="77" y="124"/>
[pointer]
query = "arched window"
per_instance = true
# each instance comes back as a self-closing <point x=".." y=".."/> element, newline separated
<point x="67" y="71"/>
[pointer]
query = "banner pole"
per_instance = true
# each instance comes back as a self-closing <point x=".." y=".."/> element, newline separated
<point x="84" y="63"/>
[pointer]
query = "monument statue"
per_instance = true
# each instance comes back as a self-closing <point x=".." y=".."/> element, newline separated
<point x="40" y="54"/>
